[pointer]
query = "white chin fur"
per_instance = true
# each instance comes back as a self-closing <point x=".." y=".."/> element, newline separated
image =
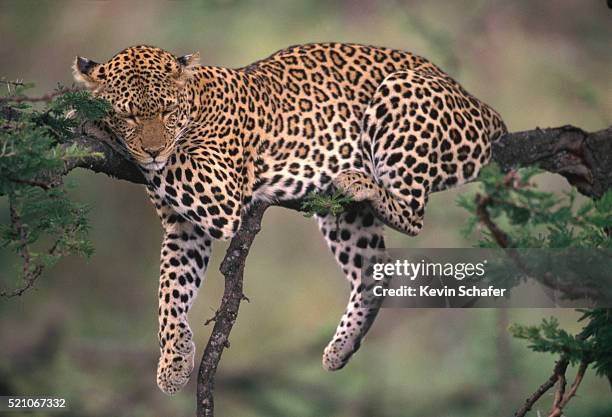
<point x="154" y="166"/>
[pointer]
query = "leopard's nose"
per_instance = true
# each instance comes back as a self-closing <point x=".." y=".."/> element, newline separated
<point x="153" y="152"/>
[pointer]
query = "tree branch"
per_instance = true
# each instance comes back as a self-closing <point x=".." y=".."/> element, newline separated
<point x="558" y="376"/>
<point x="30" y="270"/>
<point x="232" y="269"/>
<point x="583" y="158"/>
<point x="45" y="98"/>
<point x="112" y="163"/>
<point x="557" y="409"/>
<point x="502" y="239"/>
<point x="558" y="371"/>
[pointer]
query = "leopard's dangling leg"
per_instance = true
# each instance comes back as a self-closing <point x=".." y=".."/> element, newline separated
<point x="185" y="253"/>
<point x="355" y="238"/>
<point x="421" y="132"/>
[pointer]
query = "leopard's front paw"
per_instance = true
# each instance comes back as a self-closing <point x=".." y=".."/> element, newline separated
<point x="337" y="353"/>
<point x="176" y="362"/>
<point x="356" y="185"/>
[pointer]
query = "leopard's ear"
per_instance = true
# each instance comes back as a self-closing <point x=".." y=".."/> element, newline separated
<point x="189" y="61"/>
<point x="84" y="71"/>
<point x="187" y="65"/>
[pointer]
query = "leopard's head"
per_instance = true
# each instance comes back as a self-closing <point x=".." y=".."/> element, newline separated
<point x="143" y="84"/>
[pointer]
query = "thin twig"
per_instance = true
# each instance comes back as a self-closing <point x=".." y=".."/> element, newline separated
<point x="34" y="183"/>
<point x="560" y="368"/>
<point x="30" y="273"/>
<point x="44" y="98"/>
<point x="31" y="270"/>
<point x="482" y="204"/>
<point x="561" y="384"/>
<point x="9" y="83"/>
<point x="557" y="409"/>
<point x="503" y="241"/>
<point x="558" y="373"/>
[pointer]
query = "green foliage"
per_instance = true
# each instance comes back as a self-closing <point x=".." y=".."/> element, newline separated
<point x="538" y="219"/>
<point x="323" y="204"/>
<point x="599" y="330"/>
<point x="44" y="223"/>
<point x="47" y="214"/>
<point x="54" y="117"/>
<point x="593" y="344"/>
<point x="548" y="337"/>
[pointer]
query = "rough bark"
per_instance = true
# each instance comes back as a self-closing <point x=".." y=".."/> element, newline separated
<point x="583" y="158"/>
<point x="232" y="269"/>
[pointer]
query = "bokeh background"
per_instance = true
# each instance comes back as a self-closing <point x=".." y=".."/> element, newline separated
<point x="88" y="331"/>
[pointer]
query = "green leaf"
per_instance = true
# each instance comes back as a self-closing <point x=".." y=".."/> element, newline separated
<point x="322" y="204"/>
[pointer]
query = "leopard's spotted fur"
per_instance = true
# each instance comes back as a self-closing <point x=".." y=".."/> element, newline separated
<point x="384" y="126"/>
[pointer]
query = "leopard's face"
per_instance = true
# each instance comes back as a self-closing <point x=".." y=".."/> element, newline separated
<point x="142" y="84"/>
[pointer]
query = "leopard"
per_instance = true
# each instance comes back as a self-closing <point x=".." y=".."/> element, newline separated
<point x="382" y="126"/>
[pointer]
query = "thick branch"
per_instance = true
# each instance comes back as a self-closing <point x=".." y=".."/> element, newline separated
<point x="584" y="159"/>
<point x="112" y="163"/>
<point x="232" y="268"/>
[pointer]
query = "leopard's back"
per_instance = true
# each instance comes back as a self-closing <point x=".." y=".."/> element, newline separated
<point x="317" y="95"/>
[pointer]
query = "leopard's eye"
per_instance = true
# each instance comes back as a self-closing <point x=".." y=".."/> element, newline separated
<point x="169" y="110"/>
<point x="130" y="120"/>
<point x="169" y="117"/>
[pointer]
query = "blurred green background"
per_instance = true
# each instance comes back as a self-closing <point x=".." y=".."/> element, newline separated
<point x="87" y="333"/>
